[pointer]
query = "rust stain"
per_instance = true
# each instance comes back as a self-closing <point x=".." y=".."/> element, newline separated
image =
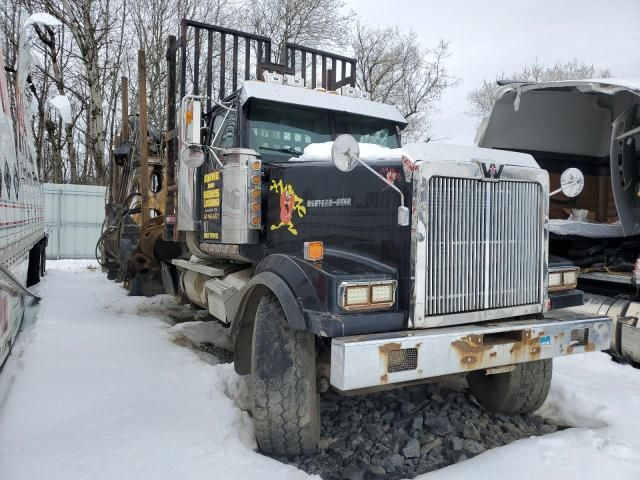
<point x="535" y="350"/>
<point x="590" y="347"/>
<point x="569" y="349"/>
<point x="493" y="354"/>
<point x="469" y="344"/>
<point x="388" y="347"/>
<point x="469" y="360"/>
<point x="384" y="379"/>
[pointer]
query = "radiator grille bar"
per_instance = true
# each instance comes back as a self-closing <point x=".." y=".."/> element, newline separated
<point x="484" y="244"/>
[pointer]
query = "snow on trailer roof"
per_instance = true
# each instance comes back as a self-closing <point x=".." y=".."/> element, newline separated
<point x="317" y="99"/>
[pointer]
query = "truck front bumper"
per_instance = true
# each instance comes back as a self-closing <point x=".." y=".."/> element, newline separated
<point x="363" y="361"/>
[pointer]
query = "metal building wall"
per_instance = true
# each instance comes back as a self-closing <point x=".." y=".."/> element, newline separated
<point x="73" y="218"/>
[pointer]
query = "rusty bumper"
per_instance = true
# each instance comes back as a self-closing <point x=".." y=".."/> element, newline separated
<point x="371" y="360"/>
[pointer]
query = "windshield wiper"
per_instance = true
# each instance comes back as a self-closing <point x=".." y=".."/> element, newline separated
<point x="283" y="149"/>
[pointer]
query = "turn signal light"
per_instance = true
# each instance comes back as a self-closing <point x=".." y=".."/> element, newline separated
<point x="313" y="251"/>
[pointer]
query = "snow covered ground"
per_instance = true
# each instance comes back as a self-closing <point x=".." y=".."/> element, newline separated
<point x="98" y="388"/>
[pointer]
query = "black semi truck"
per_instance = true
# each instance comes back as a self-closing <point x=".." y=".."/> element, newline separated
<point x="337" y="257"/>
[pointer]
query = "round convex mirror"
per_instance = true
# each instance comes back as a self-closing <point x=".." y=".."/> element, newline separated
<point x="345" y="153"/>
<point x="572" y="182"/>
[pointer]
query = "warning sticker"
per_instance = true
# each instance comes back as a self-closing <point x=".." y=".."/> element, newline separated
<point x="211" y="196"/>
<point x="546" y="340"/>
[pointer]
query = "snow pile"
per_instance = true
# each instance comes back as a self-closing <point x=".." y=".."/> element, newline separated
<point x="203" y="332"/>
<point x="93" y="390"/>
<point x="596" y="396"/>
<point x="73" y="265"/>
<point x="427" y="152"/>
<point x="368" y="151"/>
<point x="88" y="394"/>
<point x="42" y="18"/>
<point x="62" y="105"/>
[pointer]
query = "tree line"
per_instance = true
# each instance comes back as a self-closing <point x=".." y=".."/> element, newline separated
<point x="97" y="44"/>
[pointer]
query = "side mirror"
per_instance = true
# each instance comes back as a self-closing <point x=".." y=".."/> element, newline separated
<point x="571" y="183"/>
<point x="345" y="153"/>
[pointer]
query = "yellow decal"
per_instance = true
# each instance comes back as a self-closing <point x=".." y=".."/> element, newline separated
<point x="289" y="203"/>
<point x="212" y="193"/>
<point x="212" y="177"/>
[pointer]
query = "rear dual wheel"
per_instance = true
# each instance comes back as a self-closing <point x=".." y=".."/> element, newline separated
<point x="522" y="390"/>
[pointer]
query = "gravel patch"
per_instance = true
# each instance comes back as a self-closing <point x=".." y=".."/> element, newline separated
<point x="406" y="432"/>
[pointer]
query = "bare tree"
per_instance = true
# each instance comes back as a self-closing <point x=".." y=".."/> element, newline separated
<point x="395" y="68"/>
<point x="152" y="21"/>
<point x="482" y="98"/>
<point x="308" y="22"/>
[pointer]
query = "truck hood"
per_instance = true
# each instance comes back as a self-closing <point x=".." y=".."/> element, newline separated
<point x="510" y="126"/>
<point x="577" y="123"/>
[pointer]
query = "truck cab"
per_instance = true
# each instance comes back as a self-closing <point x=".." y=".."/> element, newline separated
<point x="339" y="258"/>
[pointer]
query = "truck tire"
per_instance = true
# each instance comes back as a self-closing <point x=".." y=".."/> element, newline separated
<point x="522" y="390"/>
<point x="286" y="410"/>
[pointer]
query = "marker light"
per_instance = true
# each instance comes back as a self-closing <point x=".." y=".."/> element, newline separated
<point x="313" y="251"/>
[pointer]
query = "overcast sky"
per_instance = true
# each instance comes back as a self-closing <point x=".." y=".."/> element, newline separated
<point x="491" y="36"/>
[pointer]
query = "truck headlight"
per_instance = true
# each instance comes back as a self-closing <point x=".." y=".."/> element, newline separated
<point x="563" y="278"/>
<point x="356" y="296"/>
<point x="367" y="295"/>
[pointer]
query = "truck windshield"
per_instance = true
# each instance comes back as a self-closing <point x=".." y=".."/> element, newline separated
<point x="280" y="130"/>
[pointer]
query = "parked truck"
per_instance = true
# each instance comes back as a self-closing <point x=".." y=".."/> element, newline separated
<point x="593" y="125"/>
<point x="335" y="264"/>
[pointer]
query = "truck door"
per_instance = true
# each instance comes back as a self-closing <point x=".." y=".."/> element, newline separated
<point x="625" y="181"/>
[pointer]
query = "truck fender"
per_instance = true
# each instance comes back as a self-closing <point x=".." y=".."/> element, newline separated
<point x="243" y="315"/>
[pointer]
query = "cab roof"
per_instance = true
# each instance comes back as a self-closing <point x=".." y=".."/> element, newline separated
<point x="319" y="99"/>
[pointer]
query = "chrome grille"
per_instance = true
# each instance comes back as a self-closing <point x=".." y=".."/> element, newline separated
<point x="484" y="244"/>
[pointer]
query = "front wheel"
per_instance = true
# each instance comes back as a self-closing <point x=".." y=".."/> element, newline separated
<point x="286" y="411"/>
<point x="522" y="390"/>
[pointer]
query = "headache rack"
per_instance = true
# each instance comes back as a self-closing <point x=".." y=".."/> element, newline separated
<point x="213" y="61"/>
